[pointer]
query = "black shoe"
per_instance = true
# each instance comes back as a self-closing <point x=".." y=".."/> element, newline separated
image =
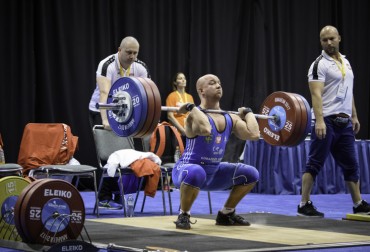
<point x="363" y="208"/>
<point x="230" y="219"/>
<point x="309" y="210"/>
<point x="183" y="221"/>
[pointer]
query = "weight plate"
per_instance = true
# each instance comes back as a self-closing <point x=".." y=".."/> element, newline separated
<point x="309" y="118"/>
<point x="151" y="107"/>
<point x="138" y="104"/>
<point x="17" y="210"/>
<point x="292" y="116"/>
<point x="10" y="188"/>
<point x="52" y="211"/>
<point x="297" y="135"/>
<point x="156" y="97"/>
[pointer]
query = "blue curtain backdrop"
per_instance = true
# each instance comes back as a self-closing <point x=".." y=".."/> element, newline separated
<point x="281" y="168"/>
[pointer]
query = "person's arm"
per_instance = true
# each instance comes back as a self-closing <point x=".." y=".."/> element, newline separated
<point x="316" y="89"/>
<point x="174" y="122"/>
<point x="197" y="123"/>
<point x="355" y="121"/>
<point x="248" y="129"/>
<point x="104" y="85"/>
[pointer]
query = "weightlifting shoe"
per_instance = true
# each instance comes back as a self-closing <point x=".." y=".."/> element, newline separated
<point x="363" y="208"/>
<point x="110" y="204"/>
<point x="231" y="219"/>
<point x="309" y="210"/>
<point x="183" y="221"/>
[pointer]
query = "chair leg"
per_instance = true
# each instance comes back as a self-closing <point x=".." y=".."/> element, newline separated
<point x="96" y="196"/>
<point x="209" y="202"/>
<point x="122" y="194"/>
<point x="163" y="198"/>
<point x="169" y="193"/>
<point x="96" y="208"/>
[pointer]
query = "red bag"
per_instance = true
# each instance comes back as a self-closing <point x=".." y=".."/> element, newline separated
<point x="46" y="144"/>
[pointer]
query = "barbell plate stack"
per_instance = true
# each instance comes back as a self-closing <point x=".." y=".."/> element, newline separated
<point x="50" y="211"/>
<point x="10" y="189"/>
<point x="288" y="128"/>
<point x="138" y="106"/>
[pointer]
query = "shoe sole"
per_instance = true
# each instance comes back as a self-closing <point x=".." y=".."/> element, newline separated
<point x="310" y="216"/>
<point x="235" y="224"/>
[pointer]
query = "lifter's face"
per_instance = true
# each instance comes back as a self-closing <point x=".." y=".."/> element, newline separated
<point x="128" y="54"/>
<point x="210" y="86"/>
<point x="330" y="39"/>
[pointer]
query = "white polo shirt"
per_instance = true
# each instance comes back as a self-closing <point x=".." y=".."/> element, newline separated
<point x="326" y="70"/>
<point x="110" y="68"/>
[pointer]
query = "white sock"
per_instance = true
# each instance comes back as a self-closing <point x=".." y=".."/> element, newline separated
<point x="181" y="211"/>
<point x="357" y="203"/>
<point x="302" y="204"/>
<point x="227" y="210"/>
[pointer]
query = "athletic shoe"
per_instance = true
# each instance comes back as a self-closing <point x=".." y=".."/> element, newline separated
<point x="110" y="204"/>
<point x="309" y="210"/>
<point x="363" y="208"/>
<point x="183" y="221"/>
<point x="231" y="219"/>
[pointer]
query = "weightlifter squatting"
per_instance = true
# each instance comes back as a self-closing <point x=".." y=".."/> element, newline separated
<point x="200" y="166"/>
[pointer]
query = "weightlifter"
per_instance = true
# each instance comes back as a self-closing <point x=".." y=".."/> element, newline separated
<point x="200" y="166"/>
<point x="121" y="64"/>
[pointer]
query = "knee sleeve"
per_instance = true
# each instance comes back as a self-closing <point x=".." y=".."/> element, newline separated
<point x="194" y="175"/>
<point x="245" y="174"/>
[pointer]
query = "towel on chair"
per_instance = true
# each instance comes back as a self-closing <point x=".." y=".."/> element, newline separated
<point x="142" y="163"/>
<point x="146" y="167"/>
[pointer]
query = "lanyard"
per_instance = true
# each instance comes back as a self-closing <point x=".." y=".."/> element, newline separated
<point x="122" y="73"/>
<point x="341" y="67"/>
<point x="186" y="100"/>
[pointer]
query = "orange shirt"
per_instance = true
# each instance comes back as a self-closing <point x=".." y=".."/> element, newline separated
<point x="176" y="97"/>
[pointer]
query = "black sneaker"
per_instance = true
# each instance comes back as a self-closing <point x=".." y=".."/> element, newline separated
<point x="230" y="219"/>
<point x="309" y="210"/>
<point x="183" y="221"/>
<point x="363" y="208"/>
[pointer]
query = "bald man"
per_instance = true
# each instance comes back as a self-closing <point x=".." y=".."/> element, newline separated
<point x="330" y="80"/>
<point x="200" y="166"/>
<point x="124" y="63"/>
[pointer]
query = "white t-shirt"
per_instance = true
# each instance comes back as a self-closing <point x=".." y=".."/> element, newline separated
<point x="325" y="69"/>
<point x="110" y="68"/>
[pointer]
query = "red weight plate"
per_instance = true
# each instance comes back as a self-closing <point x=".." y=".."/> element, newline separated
<point x="301" y="134"/>
<point x="10" y="189"/>
<point x="157" y="105"/>
<point x="298" y="129"/>
<point x="281" y="104"/>
<point x="151" y="106"/>
<point x="52" y="211"/>
<point x="17" y="210"/>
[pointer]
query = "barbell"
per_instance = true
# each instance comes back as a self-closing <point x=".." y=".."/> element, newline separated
<point x="134" y="109"/>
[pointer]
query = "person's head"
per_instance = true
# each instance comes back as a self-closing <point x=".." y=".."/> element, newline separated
<point x="178" y="80"/>
<point x="209" y="88"/>
<point x="330" y="39"/>
<point x="128" y="51"/>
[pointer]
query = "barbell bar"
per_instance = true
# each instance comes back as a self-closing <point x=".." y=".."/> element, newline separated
<point x="120" y="107"/>
<point x="134" y="107"/>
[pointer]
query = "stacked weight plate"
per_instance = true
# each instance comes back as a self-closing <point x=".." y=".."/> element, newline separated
<point x="10" y="189"/>
<point x="141" y="106"/>
<point x="49" y="211"/>
<point x="294" y="119"/>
